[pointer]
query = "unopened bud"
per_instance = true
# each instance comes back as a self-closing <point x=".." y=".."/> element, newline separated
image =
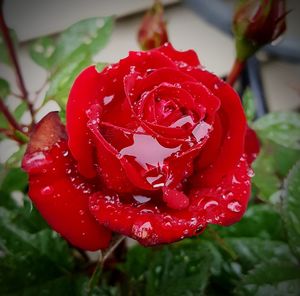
<point x="153" y="31"/>
<point x="257" y="23"/>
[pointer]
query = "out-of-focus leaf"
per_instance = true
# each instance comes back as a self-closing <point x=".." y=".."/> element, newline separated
<point x="265" y="178"/>
<point x="42" y="50"/>
<point x="4" y="88"/>
<point x="276" y="279"/>
<point x="20" y="110"/>
<point x="63" y="79"/>
<point x="248" y="104"/>
<point x="260" y="221"/>
<point x="30" y="260"/>
<point x="252" y="251"/>
<point x="14" y="161"/>
<point x="6" y="200"/>
<point x="15" y="179"/>
<point x="27" y="217"/>
<point x="87" y="36"/>
<point x="4" y="57"/>
<point x="284" y="159"/>
<point x="282" y="128"/>
<point x="291" y="208"/>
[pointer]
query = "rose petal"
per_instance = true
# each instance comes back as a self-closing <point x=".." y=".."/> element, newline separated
<point x="233" y="122"/>
<point x="183" y="59"/>
<point x="252" y="145"/>
<point x="57" y="190"/>
<point x="152" y="223"/>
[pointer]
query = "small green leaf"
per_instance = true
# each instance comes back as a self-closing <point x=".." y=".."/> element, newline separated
<point x="282" y="128"/>
<point x="42" y="51"/>
<point x="276" y="279"/>
<point x="4" y="88"/>
<point x="20" y="110"/>
<point x="88" y="36"/>
<point x="291" y="208"/>
<point x="248" y="104"/>
<point x="4" y="57"/>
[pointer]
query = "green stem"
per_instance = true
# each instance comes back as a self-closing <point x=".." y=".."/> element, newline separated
<point x="235" y="72"/>
<point x="220" y="241"/>
<point x="94" y="280"/>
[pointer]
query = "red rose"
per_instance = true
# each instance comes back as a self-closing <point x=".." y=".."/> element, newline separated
<point x="153" y="149"/>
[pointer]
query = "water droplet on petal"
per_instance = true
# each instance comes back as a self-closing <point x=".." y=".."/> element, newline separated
<point x="47" y="190"/>
<point x="211" y="203"/>
<point x="234" y="206"/>
<point x="142" y="231"/>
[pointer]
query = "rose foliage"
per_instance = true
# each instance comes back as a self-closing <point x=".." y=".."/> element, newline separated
<point x="153" y="149"/>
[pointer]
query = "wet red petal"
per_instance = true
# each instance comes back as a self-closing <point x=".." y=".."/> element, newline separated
<point x="233" y="122"/>
<point x="175" y="199"/>
<point x="252" y="145"/>
<point x="151" y="223"/>
<point x="183" y="59"/>
<point x="57" y="190"/>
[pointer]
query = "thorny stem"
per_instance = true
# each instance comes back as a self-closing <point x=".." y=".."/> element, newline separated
<point x="12" y="54"/>
<point x="235" y="72"/>
<point x="102" y="257"/>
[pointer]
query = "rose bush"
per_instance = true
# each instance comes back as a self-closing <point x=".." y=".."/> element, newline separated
<point x="154" y="148"/>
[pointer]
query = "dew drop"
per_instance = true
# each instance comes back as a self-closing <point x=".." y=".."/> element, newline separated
<point x="234" y="206"/>
<point x="211" y="203"/>
<point x="47" y="190"/>
<point x="142" y="231"/>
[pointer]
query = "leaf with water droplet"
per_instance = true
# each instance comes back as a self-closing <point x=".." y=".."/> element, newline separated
<point x="41" y="51"/>
<point x="282" y="128"/>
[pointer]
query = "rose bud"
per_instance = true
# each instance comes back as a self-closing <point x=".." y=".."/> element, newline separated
<point x="153" y="148"/>
<point x="153" y="31"/>
<point x="257" y="23"/>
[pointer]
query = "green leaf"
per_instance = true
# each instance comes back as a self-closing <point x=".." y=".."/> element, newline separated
<point x="42" y="51"/>
<point x="260" y="221"/>
<point x="276" y="279"/>
<point x="88" y="36"/>
<point x="14" y="161"/>
<point x="282" y="128"/>
<point x="63" y="79"/>
<point x="4" y="88"/>
<point x="20" y="110"/>
<point x="180" y="269"/>
<point x="291" y="208"/>
<point x="15" y="179"/>
<point x="265" y="178"/>
<point x="29" y="260"/>
<point x="4" y="57"/>
<point x="284" y="159"/>
<point x="28" y="218"/>
<point x="248" y="104"/>
<point x="252" y="251"/>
